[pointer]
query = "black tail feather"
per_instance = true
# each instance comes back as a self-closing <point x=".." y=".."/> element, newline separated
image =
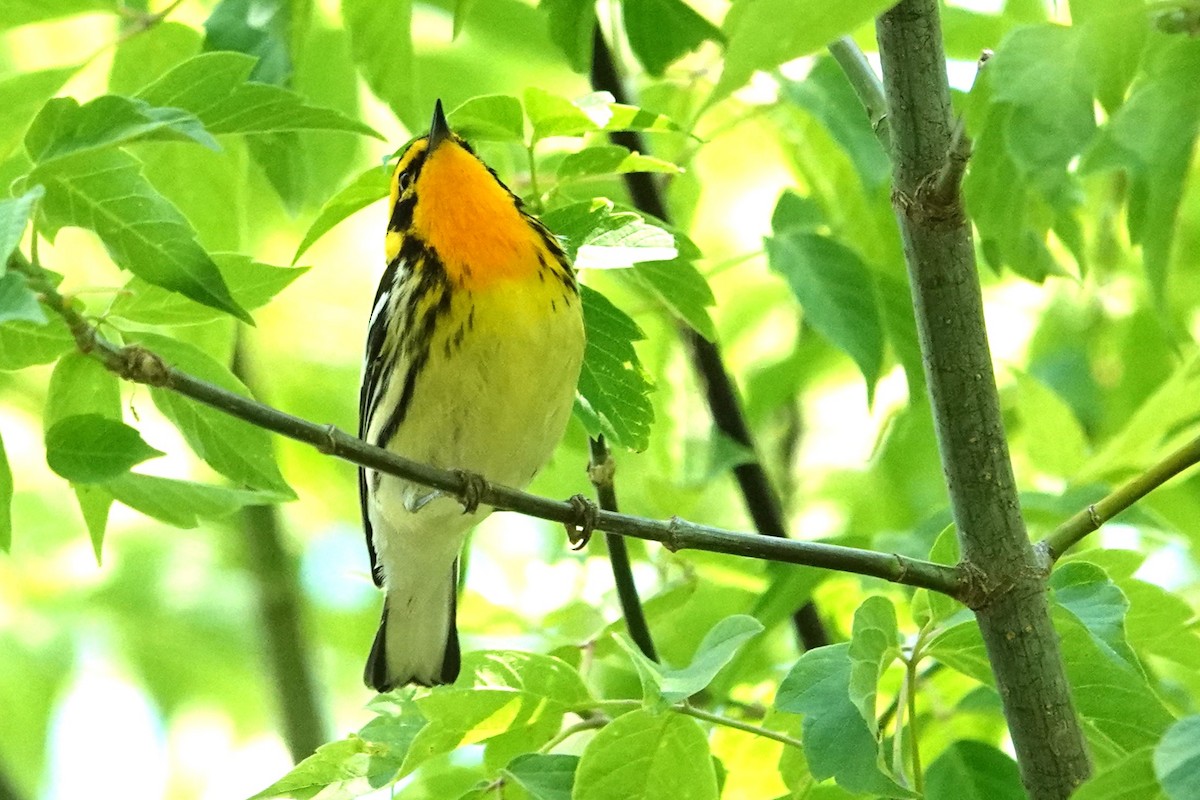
<point x="375" y="674"/>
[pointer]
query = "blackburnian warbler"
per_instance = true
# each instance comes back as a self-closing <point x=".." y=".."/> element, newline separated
<point x="473" y="353"/>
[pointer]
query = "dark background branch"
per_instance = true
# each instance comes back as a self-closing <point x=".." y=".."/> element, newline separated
<point x="601" y="469"/>
<point x="286" y="645"/>
<point x="762" y="501"/>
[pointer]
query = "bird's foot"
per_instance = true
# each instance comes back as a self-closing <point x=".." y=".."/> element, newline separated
<point x="579" y="530"/>
<point x="473" y="489"/>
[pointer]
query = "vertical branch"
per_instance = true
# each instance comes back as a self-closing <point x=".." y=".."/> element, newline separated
<point x="600" y="471"/>
<point x="761" y="499"/>
<point x="285" y="641"/>
<point x="1010" y="600"/>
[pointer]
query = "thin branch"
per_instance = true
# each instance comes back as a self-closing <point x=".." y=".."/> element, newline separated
<point x="1091" y="518"/>
<point x="867" y="85"/>
<point x="600" y="472"/>
<point x="286" y="645"/>
<point x="137" y="364"/>
<point x="760" y="497"/>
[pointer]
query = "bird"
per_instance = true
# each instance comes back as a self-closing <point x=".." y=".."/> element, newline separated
<point x="473" y="351"/>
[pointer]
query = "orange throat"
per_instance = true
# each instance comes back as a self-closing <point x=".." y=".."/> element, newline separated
<point x="471" y="221"/>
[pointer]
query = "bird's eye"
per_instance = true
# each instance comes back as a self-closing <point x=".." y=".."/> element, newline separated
<point x="404" y="180"/>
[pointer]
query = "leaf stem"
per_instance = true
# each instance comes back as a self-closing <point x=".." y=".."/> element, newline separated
<point x="737" y="724"/>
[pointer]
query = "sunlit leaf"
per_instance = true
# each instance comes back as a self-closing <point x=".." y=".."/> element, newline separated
<point x="237" y="449"/>
<point x="969" y="770"/>
<point x="216" y="88"/>
<point x="23" y="344"/>
<point x="546" y="776"/>
<point x="572" y="25"/>
<point x="105" y="191"/>
<point x="762" y="34"/>
<point x="493" y="117"/>
<point x="612" y="383"/>
<point x="662" y="31"/>
<point x="64" y="127"/>
<point x="647" y="756"/>
<point x="364" y="190"/>
<point x="14" y="218"/>
<point x="381" y="42"/>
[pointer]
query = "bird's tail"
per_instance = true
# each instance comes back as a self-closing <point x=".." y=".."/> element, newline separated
<point x="417" y="640"/>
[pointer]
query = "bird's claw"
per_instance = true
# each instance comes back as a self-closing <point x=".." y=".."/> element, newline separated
<point x="473" y="489"/>
<point x="579" y="530"/>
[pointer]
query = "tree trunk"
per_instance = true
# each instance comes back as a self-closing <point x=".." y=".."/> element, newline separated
<point x="1010" y="602"/>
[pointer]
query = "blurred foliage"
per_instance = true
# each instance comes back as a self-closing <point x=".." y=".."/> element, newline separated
<point x="202" y="146"/>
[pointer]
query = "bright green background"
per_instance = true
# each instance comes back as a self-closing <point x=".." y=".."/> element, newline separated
<point x="145" y="676"/>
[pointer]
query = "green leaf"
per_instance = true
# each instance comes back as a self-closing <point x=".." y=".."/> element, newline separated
<point x="382" y="46"/>
<point x="679" y="286"/>
<point x="1043" y="73"/>
<point x="492" y="117"/>
<point x="1114" y="36"/>
<point x="969" y="770"/>
<point x="1152" y="137"/>
<point x="837" y="292"/>
<point x="796" y="212"/>
<point x="105" y="191"/>
<point x="22" y="96"/>
<point x="14" y="13"/>
<point x="17" y="300"/>
<point x="515" y="700"/>
<point x="183" y="503"/>
<point x="1086" y="591"/>
<point x="1157" y="421"/>
<point x="6" y="495"/>
<point x="838" y="743"/>
<point x="95" y="501"/>
<point x="606" y="159"/>
<point x="23" y="344"/>
<point x="717" y="649"/>
<point x="64" y="127"/>
<point x="260" y="30"/>
<point x="1177" y="759"/>
<point x="597" y="237"/>
<point x="252" y="285"/>
<point x="359" y="763"/>
<point x="89" y="448"/>
<point x="662" y="31"/>
<point x="1130" y="778"/>
<point x="1053" y="436"/>
<point x="81" y="385"/>
<point x="238" y="450"/>
<point x="546" y="776"/>
<point x="643" y="756"/>
<point x="763" y="34"/>
<point x="874" y="645"/>
<point x="15" y="214"/>
<point x="572" y="24"/>
<point x="216" y="88"/>
<point x="553" y="115"/>
<point x="364" y="190"/>
<point x="614" y="387"/>
<point x="827" y="94"/>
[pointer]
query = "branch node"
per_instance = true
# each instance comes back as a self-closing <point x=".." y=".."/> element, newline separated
<point x="602" y="474"/>
<point x="474" y="487"/>
<point x="579" y="529"/>
<point x="141" y="365"/>
<point x="1094" y="517"/>
<point x="902" y="562"/>
<point x="329" y="446"/>
<point x="973" y="590"/>
<point x="672" y="542"/>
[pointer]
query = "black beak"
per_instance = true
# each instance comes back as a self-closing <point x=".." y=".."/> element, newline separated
<point x="439" y="129"/>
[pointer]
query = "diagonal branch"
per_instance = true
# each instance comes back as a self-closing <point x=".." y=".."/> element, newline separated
<point x="139" y="365"/>
<point x="1091" y="518"/>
